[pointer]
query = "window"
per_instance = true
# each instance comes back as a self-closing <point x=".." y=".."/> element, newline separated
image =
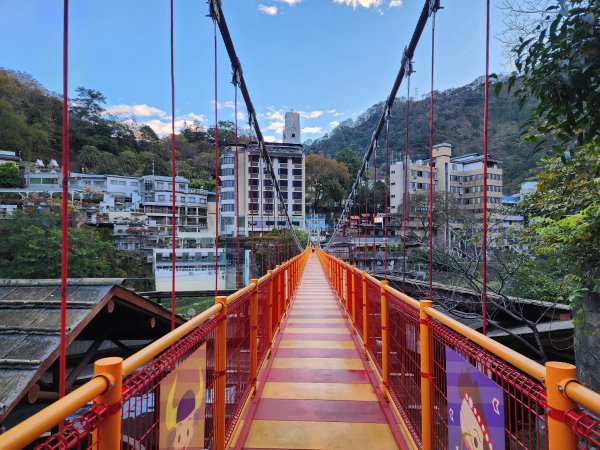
<point x="283" y="183"/>
<point x="227" y="207"/>
<point x="283" y="160"/>
<point x="191" y="199"/>
<point x="297" y="195"/>
<point x="296" y="160"/>
<point x="134" y="183"/>
<point x="228" y="160"/>
<point x="297" y="183"/>
<point x="227" y="172"/>
<point x="229" y="183"/>
<point x="297" y="171"/>
<point x="293" y="135"/>
<point x="297" y="208"/>
<point x="283" y="171"/>
<point x="161" y="198"/>
<point x="228" y="195"/>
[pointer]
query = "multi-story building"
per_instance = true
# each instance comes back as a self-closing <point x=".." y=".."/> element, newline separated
<point x="190" y="211"/>
<point x="457" y="183"/>
<point x="259" y="208"/>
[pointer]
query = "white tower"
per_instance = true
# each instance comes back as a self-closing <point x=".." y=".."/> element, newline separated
<point x="291" y="132"/>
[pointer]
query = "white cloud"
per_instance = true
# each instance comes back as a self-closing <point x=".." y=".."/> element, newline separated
<point x="241" y="115"/>
<point x="274" y="115"/>
<point x="363" y="3"/>
<point x="268" y="10"/>
<point x="162" y="128"/>
<point x="227" y="104"/>
<point x="269" y="138"/>
<point x="290" y="2"/>
<point x="194" y="116"/>
<point x="334" y="124"/>
<point x="312" y="130"/>
<point x="395" y="3"/>
<point x="311" y="114"/>
<point x="135" y="110"/>
<point x="276" y="127"/>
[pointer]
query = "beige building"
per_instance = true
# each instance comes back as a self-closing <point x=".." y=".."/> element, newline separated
<point x="458" y="188"/>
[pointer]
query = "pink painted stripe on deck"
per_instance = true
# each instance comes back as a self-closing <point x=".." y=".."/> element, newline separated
<point x="315" y="337"/>
<point x="320" y="410"/>
<point x="318" y="376"/>
<point x="317" y="353"/>
<point x="314" y="325"/>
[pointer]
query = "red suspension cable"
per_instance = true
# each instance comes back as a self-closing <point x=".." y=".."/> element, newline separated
<point x="262" y="223"/>
<point x="368" y="216"/>
<point x="431" y="122"/>
<point x="252" y="220"/>
<point x="374" y="204"/>
<point x="405" y="195"/>
<point x="385" y="199"/>
<point x="485" y="172"/>
<point x="173" y="178"/>
<point x="64" y="269"/>
<point x="237" y="194"/>
<point x="216" y="171"/>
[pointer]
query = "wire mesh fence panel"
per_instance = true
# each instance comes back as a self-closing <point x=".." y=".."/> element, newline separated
<point x="142" y="391"/>
<point x="263" y="320"/>
<point x="358" y="302"/>
<point x="374" y="321"/>
<point x="525" y="422"/>
<point x="238" y="360"/>
<point x="586" y="428"/>
<point x="79" y="433"/>
<point x="404" y="362"/>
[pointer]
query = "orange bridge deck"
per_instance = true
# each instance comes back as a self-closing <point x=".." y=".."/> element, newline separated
<point x="317" y="390"/>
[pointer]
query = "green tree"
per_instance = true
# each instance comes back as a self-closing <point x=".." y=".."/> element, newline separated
<point x="10" y="177"/>
<point x="560" y="67"/>
<point x="326" y="181"/>
<point x="350" y="159"/>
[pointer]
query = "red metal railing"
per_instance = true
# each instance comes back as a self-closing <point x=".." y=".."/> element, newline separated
<point x="237" y="333"/>
<point x="407" y="340"/>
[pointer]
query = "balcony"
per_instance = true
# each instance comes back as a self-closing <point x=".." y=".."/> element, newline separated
<point x="297" y="189"/>
<point x="297" y="177"/>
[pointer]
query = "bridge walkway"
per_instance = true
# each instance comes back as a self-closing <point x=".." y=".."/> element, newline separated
<point x="317" y="391"/>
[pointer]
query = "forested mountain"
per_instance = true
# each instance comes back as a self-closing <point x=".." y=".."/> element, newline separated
<point x="31" y="122"/>
<point x="458" y="120"/>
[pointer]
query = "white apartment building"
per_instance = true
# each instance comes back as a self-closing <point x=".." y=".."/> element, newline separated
<point x="258" y="201"/>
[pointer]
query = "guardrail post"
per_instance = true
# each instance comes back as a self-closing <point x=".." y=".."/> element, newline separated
<point x="108" y="434"/>
<point x="348" y="288"/>
<point x="278" y="291"/>
<point x="365" y="328"/>
<point x="353" y="293"/>
<point x="270" y="308"/>
<point x="254" y="333"/>
<point x="560" y="435"/>
<point x="426" y="369"/>
<point x="220" y="382"/>
<point x="385" y="341"/>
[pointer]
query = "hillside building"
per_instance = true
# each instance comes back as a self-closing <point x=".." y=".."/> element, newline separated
<point x="458" y="190"/>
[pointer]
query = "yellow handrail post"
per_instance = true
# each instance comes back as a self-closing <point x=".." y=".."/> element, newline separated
<point x="254" y="333"/>
<point x="108" y="434"/>
<point x="364" y="308"/>
<point x="426" y="366"/>
<point x="220" y="382"/>
<point x="560" y="435"/>
<point x="385" y="341"/>
<point x="270" y="308"/>
<point x="353" y="301"/>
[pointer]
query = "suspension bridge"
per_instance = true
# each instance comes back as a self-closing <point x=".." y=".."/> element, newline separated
<point x="314" y="353"/>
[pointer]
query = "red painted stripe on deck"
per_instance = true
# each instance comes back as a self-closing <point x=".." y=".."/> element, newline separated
<point x="315" y="325"/>
<point x="318" y="376"/>
<point x="315" y="337"/>
<point x="320" y="410"/>
<point x="317" y="353"/>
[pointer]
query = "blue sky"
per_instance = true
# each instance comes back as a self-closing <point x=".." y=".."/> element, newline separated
<point x="328" y="59"/>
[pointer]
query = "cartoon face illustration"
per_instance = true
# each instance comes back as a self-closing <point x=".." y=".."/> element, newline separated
<point x="180" y="418"/>
<point x="475" y="435"/>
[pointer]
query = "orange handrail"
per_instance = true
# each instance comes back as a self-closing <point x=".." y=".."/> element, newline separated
<point x="567" y="388"/>
<point x="100" y="386"/>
